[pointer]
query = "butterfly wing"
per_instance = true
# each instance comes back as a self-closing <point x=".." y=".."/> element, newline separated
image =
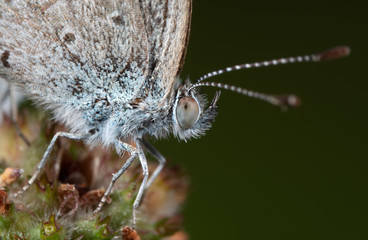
<point x="60" y="51"/>
<point x="167" y="24"/>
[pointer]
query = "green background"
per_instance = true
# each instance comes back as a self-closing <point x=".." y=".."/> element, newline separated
<point x="261" y="173"/>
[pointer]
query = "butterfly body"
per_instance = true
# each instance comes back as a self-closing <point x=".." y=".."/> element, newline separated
<point x="108" y="70"/>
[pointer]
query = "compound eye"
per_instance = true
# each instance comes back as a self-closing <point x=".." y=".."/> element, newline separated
<point x="187" y="112"/>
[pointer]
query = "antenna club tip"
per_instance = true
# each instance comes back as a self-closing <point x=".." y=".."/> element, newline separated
<point x="293" y="101"/>
<point x="333" y="53"/>
<point x="286" y="101"/>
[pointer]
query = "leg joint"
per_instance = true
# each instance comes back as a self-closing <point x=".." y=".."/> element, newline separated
<point x="145" y="172"/>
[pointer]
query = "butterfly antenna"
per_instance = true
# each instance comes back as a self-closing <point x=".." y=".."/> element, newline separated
<point x="334" y="53"/>
<point x="278" y="100"/>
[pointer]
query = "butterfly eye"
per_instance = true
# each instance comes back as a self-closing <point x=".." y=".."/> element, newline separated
<point x="187" y="112"/>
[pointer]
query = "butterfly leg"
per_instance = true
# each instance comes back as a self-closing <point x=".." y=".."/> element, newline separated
<point x="161" y="161"/>
<point x="44" y="159"/>
<point x="121" y="146"/>
<point x="4" y="94"/>
<point x="8" y="95"/>
<point x="134" y="153"/>
<point x="142" y="188"/>
<point x="14" y="115"/>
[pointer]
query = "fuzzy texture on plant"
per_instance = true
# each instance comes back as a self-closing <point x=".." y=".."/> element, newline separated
<point x="60" y="204"/>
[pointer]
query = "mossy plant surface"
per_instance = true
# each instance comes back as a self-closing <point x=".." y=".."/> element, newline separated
<point x="60" y="204"/>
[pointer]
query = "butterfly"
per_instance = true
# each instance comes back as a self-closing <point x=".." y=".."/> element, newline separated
<point x="109" y="71"/>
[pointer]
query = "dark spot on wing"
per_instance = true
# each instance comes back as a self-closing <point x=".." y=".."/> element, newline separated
<point x="118" y="20"/>
<point x="4" y="59"/>
<point x="69" y="37"/>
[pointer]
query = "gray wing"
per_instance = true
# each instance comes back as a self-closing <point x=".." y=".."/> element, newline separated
<point x="167" y="24"/>
<point x="62" y="50"/>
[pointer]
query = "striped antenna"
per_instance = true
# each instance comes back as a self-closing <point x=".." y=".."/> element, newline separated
<point x="278" y="100"/>
<point x="337" y="52"/>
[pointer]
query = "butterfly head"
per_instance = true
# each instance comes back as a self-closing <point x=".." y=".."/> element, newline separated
<point x="191" y="116"/>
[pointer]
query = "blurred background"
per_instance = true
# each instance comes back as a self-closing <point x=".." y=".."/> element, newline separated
<point x="261" y="173"/>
